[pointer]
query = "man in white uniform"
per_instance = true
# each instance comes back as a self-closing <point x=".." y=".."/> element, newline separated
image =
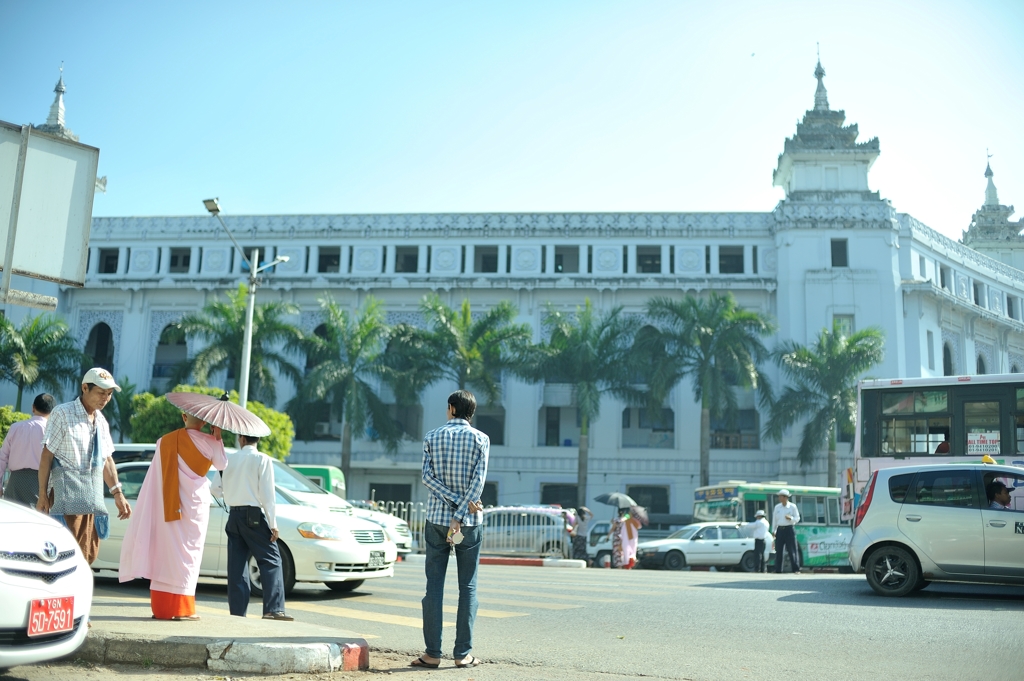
<point x="758" y="529"/>
<point x="785" y="518"/>
<point x="252" y="530"/>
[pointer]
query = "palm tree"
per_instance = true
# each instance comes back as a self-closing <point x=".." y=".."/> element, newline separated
<point x="591" y="352"/>
<point x="471" y="354"/>
<point x="718" y="345"/>
<point x="824" y="389"/>
<point x="221" y="325"/>
<point x="120" y="409"/>
<point x="40" y="352"/>
<point x="348" y="363"/>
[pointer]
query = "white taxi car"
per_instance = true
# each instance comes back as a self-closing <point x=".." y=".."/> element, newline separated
<point x="45" y="588"/>
<point x="320" y="540"/>
<point x="721" y="545"/>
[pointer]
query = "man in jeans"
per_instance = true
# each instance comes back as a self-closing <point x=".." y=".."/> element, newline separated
<point x="454" y="469"/>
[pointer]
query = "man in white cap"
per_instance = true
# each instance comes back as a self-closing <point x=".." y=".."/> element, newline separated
<point x="758" y="529"/>
<point x="785" y="518"/>
<point x="77" y="447"/>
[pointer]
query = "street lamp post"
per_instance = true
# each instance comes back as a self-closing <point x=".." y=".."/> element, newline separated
<point x="213" y="206"/>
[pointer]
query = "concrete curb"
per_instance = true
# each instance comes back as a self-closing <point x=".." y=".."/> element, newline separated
<point x="240" y="655"/>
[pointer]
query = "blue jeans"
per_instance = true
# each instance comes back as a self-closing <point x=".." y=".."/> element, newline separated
<point x="243" y="542"/>
<point x="467" y="560"/>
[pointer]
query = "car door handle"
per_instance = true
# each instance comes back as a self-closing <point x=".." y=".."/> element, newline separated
<point x="997" y="523"/>
<point x="913" y="518"/>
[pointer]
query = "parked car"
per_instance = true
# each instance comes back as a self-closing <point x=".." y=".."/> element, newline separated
<point x="320" y="539"/>
<point x="721" y="545"/>
<point x="45" y="588"/>
<point x="935" y="523"/>
<point x="331" y="479"/>
<point x="526" y="530"/>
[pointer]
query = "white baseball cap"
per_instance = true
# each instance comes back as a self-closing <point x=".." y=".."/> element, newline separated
<point x="759" y="514"/>
<point x="101" y="378"/>
<point x="784" y="493"/>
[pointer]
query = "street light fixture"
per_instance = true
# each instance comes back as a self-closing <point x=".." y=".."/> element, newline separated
<point x="213" y="206"/>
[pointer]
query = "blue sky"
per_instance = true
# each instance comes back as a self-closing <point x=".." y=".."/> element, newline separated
<point x="341" y="107"/>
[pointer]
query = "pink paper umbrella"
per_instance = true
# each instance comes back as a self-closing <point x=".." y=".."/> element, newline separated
<point x="221" y="413"/>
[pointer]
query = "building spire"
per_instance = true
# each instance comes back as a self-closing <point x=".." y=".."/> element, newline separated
<point x="55" y="121"/>
<point x="991" y="197"/>
<point x="820" y="94"/>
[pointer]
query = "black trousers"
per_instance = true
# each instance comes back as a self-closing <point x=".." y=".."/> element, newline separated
<point x="759" y="551"/>
<point x="785" y="540"/>
<point x="245" y="541"/>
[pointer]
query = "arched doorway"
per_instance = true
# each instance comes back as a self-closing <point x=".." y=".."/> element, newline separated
<point x="981" y="365"/>
<point x="171" y="351"/>
<point x="100" y="347"/>
<point x="947" y="360"/>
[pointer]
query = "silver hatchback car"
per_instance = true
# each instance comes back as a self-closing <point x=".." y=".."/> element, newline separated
<point x="945" y="523"/>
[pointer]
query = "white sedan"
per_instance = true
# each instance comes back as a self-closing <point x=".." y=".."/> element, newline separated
<point x="321" y="541"/>
<point x="715" y="544"/>
<point x="45" y="588"/>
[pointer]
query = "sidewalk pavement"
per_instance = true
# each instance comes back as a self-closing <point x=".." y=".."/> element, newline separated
<point x="123" y="631"/>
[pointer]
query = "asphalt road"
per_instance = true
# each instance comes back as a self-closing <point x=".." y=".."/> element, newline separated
<point x="543" y="623"/>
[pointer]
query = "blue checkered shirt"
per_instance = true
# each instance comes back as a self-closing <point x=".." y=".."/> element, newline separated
<point x="454" y="469"/>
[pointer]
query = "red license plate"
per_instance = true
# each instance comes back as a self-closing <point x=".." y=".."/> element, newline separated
<point x="51" y="616"/>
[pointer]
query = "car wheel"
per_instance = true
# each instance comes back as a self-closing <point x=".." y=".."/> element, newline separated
<point x="748" y="563"/>
<point x="603" y="559"/>
<point x="675" y="560"/>
<point x="892" y="571"/>
<point x="552" y="549"/>
<point x="345" y="587"/>
<point x="287" y="572"/>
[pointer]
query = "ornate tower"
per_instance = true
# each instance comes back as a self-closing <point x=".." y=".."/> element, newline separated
<point x="991" y="227"/>
<point x="55" y="121"/>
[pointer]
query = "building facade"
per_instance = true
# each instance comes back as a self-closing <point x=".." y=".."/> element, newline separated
<point x="832" y="251"/>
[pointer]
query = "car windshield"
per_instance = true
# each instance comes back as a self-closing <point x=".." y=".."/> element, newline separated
<point x="684" y="533"/>
<point x="290" y="479"/>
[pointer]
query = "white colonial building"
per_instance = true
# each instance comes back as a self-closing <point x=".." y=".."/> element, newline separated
<point x="832" y="250"/>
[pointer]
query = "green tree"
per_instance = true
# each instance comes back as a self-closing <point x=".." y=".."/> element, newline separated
<point x="221" y="326"/>
<point x="348" y="361"/>
<point x="717" y="344"/>
<point x="154" y="417"/>
<point x="589" y="351"/>
<point x="824" y="389"/>
<point x="8" y="417"/>
<point x="41" y="352"/>
<point x="472" y="354"/>
<point x="119" y="410"/>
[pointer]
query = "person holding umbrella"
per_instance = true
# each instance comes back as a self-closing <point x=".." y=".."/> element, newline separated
<point x="164" y="540"/>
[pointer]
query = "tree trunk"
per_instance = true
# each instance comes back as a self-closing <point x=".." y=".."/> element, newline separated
<point x="582" y="465"/>
<point x="832" y="465"/>
<point x="705" y="446"/>
<point x="21" y="388"/>
<point x="346" y="451"/>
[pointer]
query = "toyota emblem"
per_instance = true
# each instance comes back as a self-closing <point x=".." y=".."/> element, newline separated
<point x="50" y="551"/>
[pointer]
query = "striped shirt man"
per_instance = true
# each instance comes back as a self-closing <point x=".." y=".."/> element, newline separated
<point x="454" y="469"/>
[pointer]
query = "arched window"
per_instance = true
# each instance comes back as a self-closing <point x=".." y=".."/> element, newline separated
<point x="100" y="347"/>
<point x="311" y="359"/>
<point x="171" y="351"/>
<point x="981" y="365"/>
<point x="947" y="360"/>
<point x="1014" y="369"/>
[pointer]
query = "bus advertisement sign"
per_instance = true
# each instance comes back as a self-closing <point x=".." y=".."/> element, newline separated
<point x="824" y="546"/>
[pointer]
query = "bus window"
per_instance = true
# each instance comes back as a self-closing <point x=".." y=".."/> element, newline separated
<point x="1019" y="425"/>
<point x="833" y="511"/>
<point x="906" y="427"/>
<point x="716" y="511"/>
<point x="812" y="509"/>
<point x="981" y="421"/>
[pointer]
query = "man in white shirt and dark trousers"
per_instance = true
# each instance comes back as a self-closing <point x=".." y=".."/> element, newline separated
<point x="785" y="518"/>
<point x="758" y="529"/>
<point x="252" y="530"/>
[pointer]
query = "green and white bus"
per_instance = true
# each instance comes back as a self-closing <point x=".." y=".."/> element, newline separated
<point x="821" y="534"/>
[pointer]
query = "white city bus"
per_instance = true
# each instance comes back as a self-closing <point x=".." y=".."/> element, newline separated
<point x="908" y="421"/>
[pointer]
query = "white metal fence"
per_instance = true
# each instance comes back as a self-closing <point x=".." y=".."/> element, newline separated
<point x="508" y="531"/>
